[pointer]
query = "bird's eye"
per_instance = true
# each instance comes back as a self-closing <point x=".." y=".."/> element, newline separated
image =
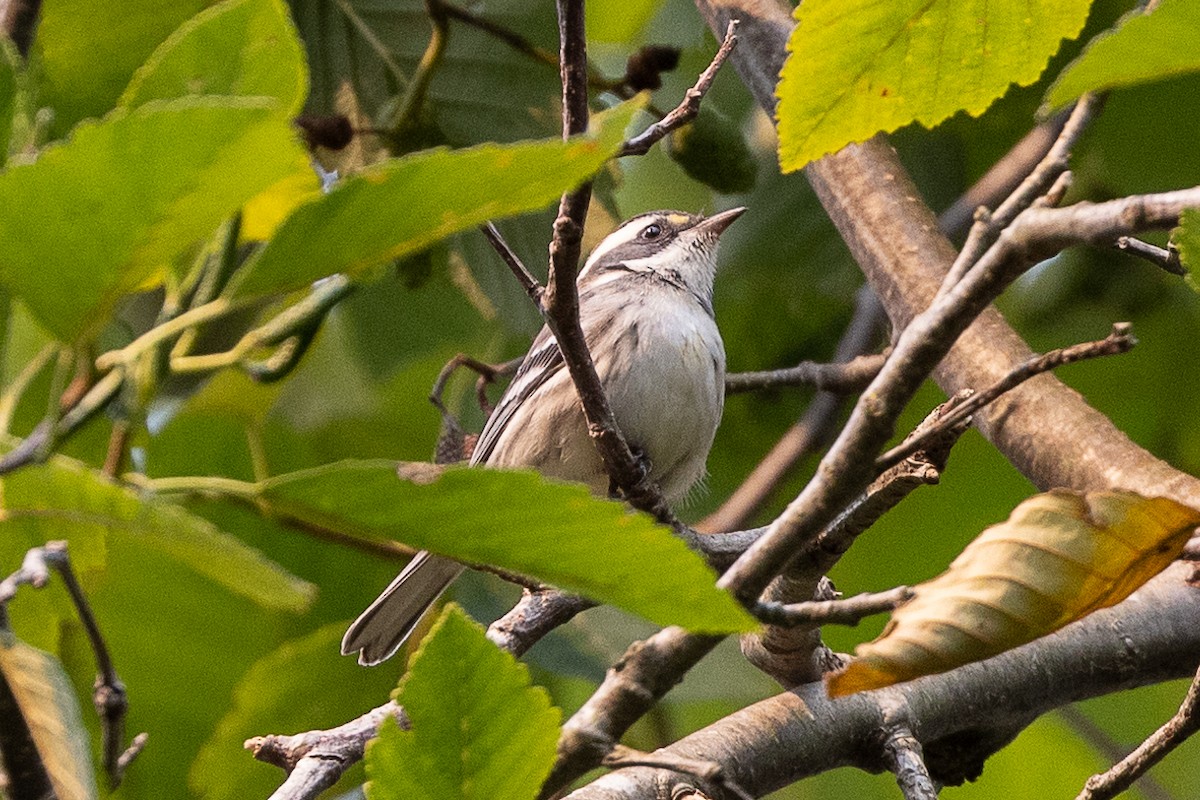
<point x="652" y="231"/>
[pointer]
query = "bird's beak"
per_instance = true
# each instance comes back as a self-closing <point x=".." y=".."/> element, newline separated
<point x="717" y="223"/>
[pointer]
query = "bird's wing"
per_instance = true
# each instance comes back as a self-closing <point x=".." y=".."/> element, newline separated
<point x="543" y="360"/>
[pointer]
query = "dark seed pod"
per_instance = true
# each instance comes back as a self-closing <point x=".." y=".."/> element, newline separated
<point x="644" y="68"/>
<point x="332" y="132"/>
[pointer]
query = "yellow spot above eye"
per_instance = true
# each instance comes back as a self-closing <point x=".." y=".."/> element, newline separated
<point x="677" y="219"/>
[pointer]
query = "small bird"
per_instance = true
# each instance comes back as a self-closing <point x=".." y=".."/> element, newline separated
<point x="645" y="306"/>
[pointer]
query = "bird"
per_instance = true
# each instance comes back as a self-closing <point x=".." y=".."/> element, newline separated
<point x="645" y="307"/>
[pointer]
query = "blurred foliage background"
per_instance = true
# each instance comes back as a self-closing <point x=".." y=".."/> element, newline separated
<point x="208" y="667"/>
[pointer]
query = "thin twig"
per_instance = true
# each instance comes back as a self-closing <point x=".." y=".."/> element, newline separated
<point x="43" y="439"/>
<point x="1004" y="176"/>
<point x="847" y="611"/>
<point x="689" y="107"/>
<point x="1039" y="182"/>
<point x="529" y="283"/>
<point x="301" y="319"/>
<point x="1121" y="340"/>
<point x="813" y="430"/>
<point x="838" y="378"/>
<point x="315" y="760"/>
<point x="108" y="695"/>
<point x="522" y="45"/>
<point x="1165" y="258"/>
<point x="376" y="44"/>
<point x="1156" y="747"/>
<point x="561" y="298"/>
<point x="488" y="373"/>
<point x="118" y="448"/>
<point x="408" y="110"/>
<point x="1108" y="748"/>
<point x="538" y="612"/>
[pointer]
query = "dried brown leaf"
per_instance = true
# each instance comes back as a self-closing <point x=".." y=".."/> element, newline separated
<point x="1059" y="556"/>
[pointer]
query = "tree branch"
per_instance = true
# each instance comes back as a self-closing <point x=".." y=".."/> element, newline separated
<point x="561" y="300"/>
<point x="1119" y="341"/>
<point x="814" y="428"/>
<point x="1177" y="730"/>
<point x="844" y="377"/>
<point x="689" y="107"/>
<point x="848" y="611"/>
<point x="902" y="230"/>
<point x="1151" y="637"/>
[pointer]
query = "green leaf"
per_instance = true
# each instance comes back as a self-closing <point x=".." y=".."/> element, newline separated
<point x="1187" y="238"/>
<point x="857" y="67"/>
<point x="47" y="704"/>
<point x="522" y="522"/>
<point x="240" y="47"/>
<point x="88" y="49"/>
<point x="63" y="499"/>
<point x="711" y="149"/>
<point x="404" y="205"/>
<point x="1145" y="48"/>
<point x="479" y="729"/>
<point x="100" y="214"/>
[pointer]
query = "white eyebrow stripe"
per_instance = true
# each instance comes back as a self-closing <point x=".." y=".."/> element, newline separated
<point x="621" y="236"/>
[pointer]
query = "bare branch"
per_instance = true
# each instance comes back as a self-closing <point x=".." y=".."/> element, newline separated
<point x="538" y="612"/>
<point x="837" y="378"/>
<point x="904" y="758"/>
<point x="1004" y="177"/>
<point x="561" y="299"/>
<point x="1121" y="340"/>
<point x="848" y="611"/>
<point x="315" y="760"/>
<point x="108" y="694"/>
<point x="1156" y="747"/>
<point x="508" y="255"/>
<point x="687" y="109"/>
<point x="1164" y="258"/>
<point x="1043" y="180"/>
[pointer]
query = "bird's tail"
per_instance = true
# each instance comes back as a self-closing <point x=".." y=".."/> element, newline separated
<point x="380" y="630"/>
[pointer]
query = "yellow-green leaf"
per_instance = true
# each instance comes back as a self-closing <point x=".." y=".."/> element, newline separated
<point x="1145" y="48"/>
<point x="1059" y="556"/>
<point x="115" y="203"/>
<point x="246" y="48"/>
<point x="403" y="205"/>
<point x="857" y="67"/>
<point x="479" y="728"/>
